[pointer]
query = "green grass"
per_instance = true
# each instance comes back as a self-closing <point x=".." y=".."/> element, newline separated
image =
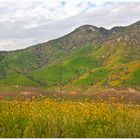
<point x="85" y="66"/>
<point x="48" y="74"/>
<point x="15" y="79"/>
<point x="134" y="78"/>
<point x="71" y="68"/>
<point x="22" y="60"/>
<point x="92" y="78"/>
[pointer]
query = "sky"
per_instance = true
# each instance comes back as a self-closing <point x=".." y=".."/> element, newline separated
<point x="24" y="23"/>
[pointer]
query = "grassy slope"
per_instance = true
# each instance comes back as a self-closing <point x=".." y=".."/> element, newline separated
<point x="109" y="66"/>
<point x="113" y="66"/>
<point x="15" y="60"/>
<point x="75" y="65"/>
<point x="15" y="79"/>
<point x="65" y="61"/>
<point x="15" y="82"/>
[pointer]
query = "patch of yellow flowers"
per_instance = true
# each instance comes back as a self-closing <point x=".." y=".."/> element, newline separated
<point x="53" y="118"/>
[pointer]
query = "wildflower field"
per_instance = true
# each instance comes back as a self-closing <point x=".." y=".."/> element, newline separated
<point x="53" y="118"/>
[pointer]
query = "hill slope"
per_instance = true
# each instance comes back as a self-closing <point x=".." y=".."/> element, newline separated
<point x="87" y="57"/>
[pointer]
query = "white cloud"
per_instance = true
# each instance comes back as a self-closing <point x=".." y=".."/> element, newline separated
<point x="27" y="22"/>
<point x="20" y="43"/>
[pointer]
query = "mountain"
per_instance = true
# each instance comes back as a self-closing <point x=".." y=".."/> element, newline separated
<point x="86" y="59"/>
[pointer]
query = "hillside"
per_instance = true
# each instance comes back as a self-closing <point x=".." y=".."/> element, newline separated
<point x="86" y="58"/>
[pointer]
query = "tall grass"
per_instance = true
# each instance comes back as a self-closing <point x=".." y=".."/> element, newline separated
<point x="51" y="118"/>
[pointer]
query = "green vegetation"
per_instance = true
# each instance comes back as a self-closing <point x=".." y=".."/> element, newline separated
<point x="46" y="118"/>
<point x="84" y="63"/>
<point x="92" y="77"/>
<point x="133" y="78"/>
<point x="75" y="65"/>
<point x="15" y="79"/>
<point x="88" y="56"/>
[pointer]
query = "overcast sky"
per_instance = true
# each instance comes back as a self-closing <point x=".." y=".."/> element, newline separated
<point x="27" y="22"/>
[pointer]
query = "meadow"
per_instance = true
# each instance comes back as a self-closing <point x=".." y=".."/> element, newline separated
<point x="59" y="118"/>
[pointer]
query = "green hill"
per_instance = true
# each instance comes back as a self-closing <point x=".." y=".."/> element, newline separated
<point x="87" y="57"/>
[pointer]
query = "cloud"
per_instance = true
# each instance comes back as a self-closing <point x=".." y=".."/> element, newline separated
<point x="24" y="23"/>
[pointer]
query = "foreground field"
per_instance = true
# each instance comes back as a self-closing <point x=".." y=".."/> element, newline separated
<point x="55" y="118"/>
